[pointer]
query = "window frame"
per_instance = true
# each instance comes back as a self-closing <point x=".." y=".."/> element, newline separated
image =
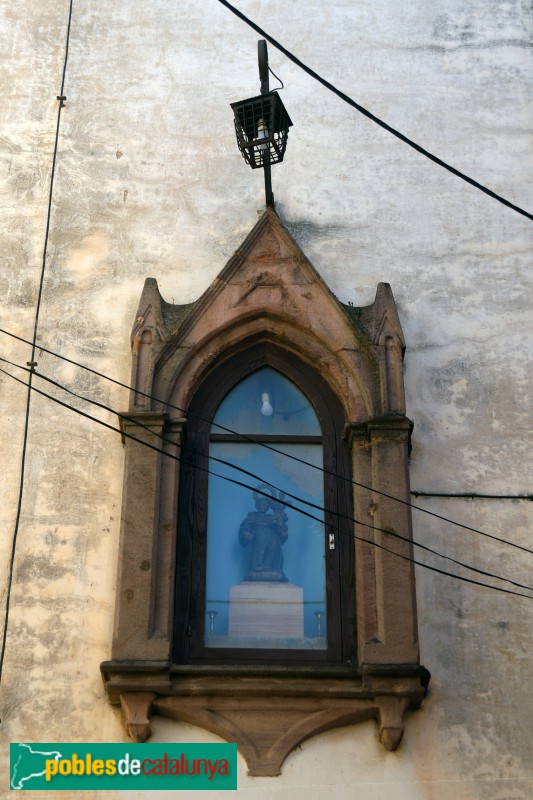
<point x="188" y="646"/>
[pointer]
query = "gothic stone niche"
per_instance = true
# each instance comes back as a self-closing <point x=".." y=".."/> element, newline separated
<point x="267" y="306"/>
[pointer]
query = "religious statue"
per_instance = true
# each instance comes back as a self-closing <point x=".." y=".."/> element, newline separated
<point x="264" y="531"/>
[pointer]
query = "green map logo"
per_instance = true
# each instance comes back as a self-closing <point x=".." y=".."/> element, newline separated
<point x="100" y="767"/>
<point x="28" y="761"/>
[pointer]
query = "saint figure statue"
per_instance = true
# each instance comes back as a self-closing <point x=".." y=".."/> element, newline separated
<point x="264" y="531"/>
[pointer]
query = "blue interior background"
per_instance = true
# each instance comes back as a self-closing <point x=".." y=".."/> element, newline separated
<point x="228" y="506"/>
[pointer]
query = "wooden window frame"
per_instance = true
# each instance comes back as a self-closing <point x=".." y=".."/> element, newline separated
<point x="192" y="527"/>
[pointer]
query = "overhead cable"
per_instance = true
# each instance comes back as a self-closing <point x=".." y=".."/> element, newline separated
<point x="273" y="449"/>
<point x="61" y="101"/>
<point x="260" y="478"/>
<point x="259" y="491"/>
<point x="371" y="116"/>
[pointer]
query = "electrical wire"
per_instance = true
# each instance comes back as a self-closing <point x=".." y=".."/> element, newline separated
<point x="60" y="98"/>
<point x="472" y="496"/>
<point x="257" y="490"/>
<point x="252" y="475"/>
<point x="371" y="116"/>
<point x="251" y="440"/>
<point x="31" y="388"/>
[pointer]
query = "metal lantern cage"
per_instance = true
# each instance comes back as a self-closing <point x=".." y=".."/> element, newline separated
<point x="262" y="127"/>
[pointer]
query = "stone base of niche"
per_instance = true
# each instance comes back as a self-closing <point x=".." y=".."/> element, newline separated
<point x="266" y="610"/>
<point x="266" y="712"/>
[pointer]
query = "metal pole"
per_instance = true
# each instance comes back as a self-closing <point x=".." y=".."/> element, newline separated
<point x="262" y="54"/>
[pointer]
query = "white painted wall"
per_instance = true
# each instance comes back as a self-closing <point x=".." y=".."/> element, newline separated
<point x="149" y="183"/>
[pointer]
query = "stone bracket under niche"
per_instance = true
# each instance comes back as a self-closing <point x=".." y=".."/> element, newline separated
<point x="266" y="715"/>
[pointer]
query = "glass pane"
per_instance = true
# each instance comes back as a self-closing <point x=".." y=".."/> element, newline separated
<point x="266" y="576"/>
<point x="266" y="402"/>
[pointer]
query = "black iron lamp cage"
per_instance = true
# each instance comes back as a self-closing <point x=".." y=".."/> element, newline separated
<point x="262" y="127"/>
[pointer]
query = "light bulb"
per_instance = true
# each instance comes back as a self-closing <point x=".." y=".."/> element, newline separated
<point x="266" y="408"/>
<point x="262" y="133"/>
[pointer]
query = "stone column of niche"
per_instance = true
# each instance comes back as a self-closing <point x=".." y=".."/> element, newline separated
<point x="396" y="641"/>
<point x="164" y="569"/>
<point x="138" y="542"/>
<point x="394" y="399"/>
<point x="141" y="369"/>
<point x="358" y="440"/>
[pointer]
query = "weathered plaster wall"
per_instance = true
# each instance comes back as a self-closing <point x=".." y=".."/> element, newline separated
<point x="149" y="183"/>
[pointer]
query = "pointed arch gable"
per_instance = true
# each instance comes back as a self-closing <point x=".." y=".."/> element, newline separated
<point x="348" y="372"/>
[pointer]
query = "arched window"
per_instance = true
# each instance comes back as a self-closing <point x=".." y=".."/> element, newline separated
<point x="263" y="532"/>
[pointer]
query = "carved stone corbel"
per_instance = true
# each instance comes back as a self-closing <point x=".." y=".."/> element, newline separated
<point x="390" y="718"/>
<point x="267" y="715"/>
<point x="269" y="728"/>
<point x="137" y="711"/>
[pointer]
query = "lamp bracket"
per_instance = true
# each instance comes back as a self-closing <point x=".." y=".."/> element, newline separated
<point x="262" y="57"/>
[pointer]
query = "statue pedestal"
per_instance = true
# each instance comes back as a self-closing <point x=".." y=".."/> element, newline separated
<point x="270" y="610"/>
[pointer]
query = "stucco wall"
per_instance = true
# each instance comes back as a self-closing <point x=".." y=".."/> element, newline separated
<point x="149" y="183"/>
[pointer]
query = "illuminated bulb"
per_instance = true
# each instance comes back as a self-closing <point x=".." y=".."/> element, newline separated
<point x="266" y="408"/>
